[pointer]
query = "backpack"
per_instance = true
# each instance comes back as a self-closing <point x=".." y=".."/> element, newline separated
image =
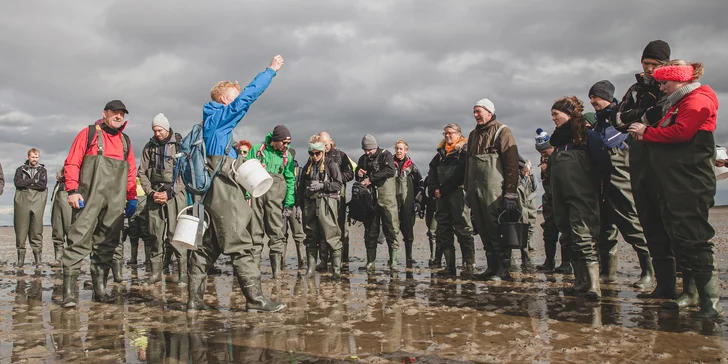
<point x="599" y="156"/>
<point x="362" y="204"/>
<point x="191" y="162"/>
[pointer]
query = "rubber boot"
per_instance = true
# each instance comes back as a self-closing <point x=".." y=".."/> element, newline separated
<point x="647" y="278"/>
<point x="450" y="270"/>
<point x="255" y="301"/>
<point x="196" y="293"/>
<point x="147" y="256"/>
<point x="116" y="271"/>
<point x="57" y="254"/>
<point x="709" y="293"/>
<point x="323" y="265"/>
<point x="409" y="262"/>
<point x="469" y="266"/>
<point x="69" y="290"/>
<point x="580" y="283"/>
<point x="393" y="264"/>
<point x="99" y="276"/>
<point x="134" y="254"/>
<point x="593" y="292"/>
<point x="503" y="273"/>
<point x="37" y="256"/>
<point x="156" y="275"/>
<point x="526" y="263"/>
<point x="433" y="249"/>
<point x="167" y="259"/>
<point x="181" y="277"/>
<point x="336" y="264"/>
<point x="609" y="265"/>
<point x="301" y="255"/>
<point x="371" y="258"/>
<point x="549" y="264"/>
<point x="275" y="265"/>
<point x="21" y="258"/>
<point x="312" y="257"/>
<point x="490" y="270"/>
<point x="566" y="266"/>
<point x="666" y="277"/>
<point x="688" y="297"/>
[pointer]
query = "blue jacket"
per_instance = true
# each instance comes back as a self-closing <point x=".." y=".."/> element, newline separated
<point x="220" y="120"/>
<point x="610" y="136"/>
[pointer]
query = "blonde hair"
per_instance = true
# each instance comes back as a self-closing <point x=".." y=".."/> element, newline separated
<point x="698" y="69"/>
<point x="316" y="138"/>
<point x="401" y="141"/>
<point x="34" y="150"/>
<point x="455" y="127"/>
<point x="221" y="88"/>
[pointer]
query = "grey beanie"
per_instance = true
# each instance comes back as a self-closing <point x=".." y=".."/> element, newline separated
<point x="368" y="142"/>
<point x="161" y="121"/>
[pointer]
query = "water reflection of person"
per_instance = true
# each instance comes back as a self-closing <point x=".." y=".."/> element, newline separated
<point x="26" y="323"/>
<point x="105" y="328"/>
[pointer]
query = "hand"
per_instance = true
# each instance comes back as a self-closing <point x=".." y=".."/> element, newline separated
<point x="637" y="129"/>
<point x="366" y="182"/>
<point x="160" y="197"/>
<point x="720" y="162"/>
<point x="361" y="172"/>
<point x="131" y="206"/>
<point x="510" y="205"/>
<point x="74" y="199"/>
<point x="287" y="212"/>
<point x="544" y="166"/>
<point x="653" y="115"/>
<point x="315" y="186"/>
<point x="298" y="213"/>
<point x="437" y="194"/>
<point x="276" y="63"/>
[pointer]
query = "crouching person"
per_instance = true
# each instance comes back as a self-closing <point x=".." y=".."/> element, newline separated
<point x="319" y="189"/>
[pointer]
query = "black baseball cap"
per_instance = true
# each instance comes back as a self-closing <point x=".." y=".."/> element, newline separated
<point x="116" y="105"/>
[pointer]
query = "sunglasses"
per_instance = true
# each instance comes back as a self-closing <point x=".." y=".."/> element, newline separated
<point x="244" y="152"/>
<point x="286" y="143"/>
<point x="314" y="153"/>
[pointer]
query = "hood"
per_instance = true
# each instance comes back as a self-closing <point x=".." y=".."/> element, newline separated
<point x="268" y="138"/>
<point x="211" y="108"/>
<point x="707" y="92"/>
<point x="458" y="145"/>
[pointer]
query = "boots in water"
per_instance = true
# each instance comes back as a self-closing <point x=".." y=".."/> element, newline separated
<point x="196" y="293"/>
<point x="323" y="265"/>
<point x="301" y="255"/>
<point x="275" y="265"/>
<point x="393" y="264"/>
<point x="433" y="249"/>
<point x="181" y="277"/>
<point x="566" y="266"/>
<point x="503" y="273"/>
<point x="38" y="257"/>
<point x="450" y="270"/>
<point x="469" y="266"/>
<point x="666" y="277"/>
<point x="371" y="258"/>
<point x="526" y="263"/>
<point x="609" y="263"/>
<point x="69" y="290"/>
<point x="116" y="271"/>
<point x="336" y="264"/>
<point x="708" y="291"/>
<point x="490" y="269"/>
<point x="156" y="275"/>
<point x="580" y="280"/>
<point x="57" y="255"/>
<point x="593" y="292"/>
<point x="549" y="265"/>
<point x="438" y="257"/>
<point x="311" y="256"/>
<point x="647" y="278"/>
<point x="409" y="262"/>
<point x="688" y="297"/>
<point x="134" y="247"/>
<point x="99" y="276"/>
<point x="21" y="258"/>
<point x="255" y="301"/>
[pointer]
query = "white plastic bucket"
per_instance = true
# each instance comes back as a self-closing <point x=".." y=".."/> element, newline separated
<point x="253" y="177"/>
<point x="721" y="173"/>
<point x="186" y="230"/>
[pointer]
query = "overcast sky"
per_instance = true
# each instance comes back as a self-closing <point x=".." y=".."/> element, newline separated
<point x="395" y="69"/>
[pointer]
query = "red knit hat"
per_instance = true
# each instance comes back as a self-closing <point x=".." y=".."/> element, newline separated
<point x="674" y="73"/>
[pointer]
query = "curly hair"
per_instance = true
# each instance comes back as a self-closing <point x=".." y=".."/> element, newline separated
<point x="572" y="106"/>
<point x="221" y="88"/>
<point x="245" y="143"/>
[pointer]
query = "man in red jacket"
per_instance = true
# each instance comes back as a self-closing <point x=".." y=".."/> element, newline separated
<point x="99" y="163"/>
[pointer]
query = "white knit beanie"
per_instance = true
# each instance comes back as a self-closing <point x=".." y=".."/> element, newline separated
<point x="161" y="121"/>
<point x="486" y="104"/>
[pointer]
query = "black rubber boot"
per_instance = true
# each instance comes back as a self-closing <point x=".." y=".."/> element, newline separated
<point x="21" y="258"/>
<point x="69" y="290"/>
<point x="438" y="257"/>
<point x="433" y="249"/>
<point x="133" y="261"/>
<point x="323" y="265"/>
<point x="593" y="292"/>
<point x="449" y="270"/>
<point x="275" y="265"/>
<point x="116" y="271"/>
<point x="490" y="270"/>
<point x="311" y="256"/>
<point x="549" y="264"/>
<point x="580" y="280"/>
<point x="526" y="263"/>
<point x="57" y="255"/>
<point x="196" y="293"/>
<point x="709" y="294"/>
<point x="99" y="276"/>
<point x="566" y="266"/>
<point x="503" y="273"/>
<point x="336" y="264"/>
<point x="156" y="275"/>
<point x="666" y="276"/>
<point x="469" y="266"/>
<point x="301" y="255"/>
<point x="167" y="260"/>
<point x="409" y="262"/>
<point x="689" y="296"/>
<point x="371" y="258"/>
<point x="647" y="277"/>
<point x="393" y="264"/>
<point x="38" y="257"/>
<point x="255" y="301"/>
<point x="608" y="271"/>
<point x="181" y="277"/>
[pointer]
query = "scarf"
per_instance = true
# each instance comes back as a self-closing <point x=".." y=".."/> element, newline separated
<point x="678" y="95"/>
<point x="160" y="152"/>
<point x="449" y="148"/>
<point x="562" y="135"/>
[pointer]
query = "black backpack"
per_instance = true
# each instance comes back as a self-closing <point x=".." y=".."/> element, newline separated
<point x="362" y="204"/>
<point x="599" y="156"/>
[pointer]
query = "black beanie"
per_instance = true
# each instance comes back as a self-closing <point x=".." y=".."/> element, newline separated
<point x="280" y="132"/>
<point x="602" y="89"/>
<point x="657" y="50"/>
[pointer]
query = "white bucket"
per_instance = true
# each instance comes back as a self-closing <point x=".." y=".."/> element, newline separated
<point x="253" y="177"/>
<point x="186" y="230"/>
<point x="721" y="173"/>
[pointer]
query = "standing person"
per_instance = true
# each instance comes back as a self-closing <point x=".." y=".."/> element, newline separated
<point x="376" y="169"/>
<point x="60" y="218"/>
<point x="491" y="185"/>
<point x="320" y="187"/>
<point x="445" y="179"/>
<point x="2" y="180"/>
<point x="230" y="215"/>
<point x="409" y="183"/>
<point x="550" y="230"/>
<point x="642" y="96"/>
<point x="165" y="197"/>
<point x="294" y="221"/>
<point x="618" y="210"/>
<point x="683" y="155"/>
<point x="275" y="206"/>
<point x="576" y="192"/>
<point x="526" y="190"/>
<point x="100" y="175"/>
<point x="430" y="207"/>
<point x="347" y="174"/>
<point x="31" y="195"/>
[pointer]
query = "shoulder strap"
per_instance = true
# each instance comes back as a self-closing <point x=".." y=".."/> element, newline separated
<point x="90" y="138"/>
<point x="497" y="133"/>
<point x="127" y="143"/>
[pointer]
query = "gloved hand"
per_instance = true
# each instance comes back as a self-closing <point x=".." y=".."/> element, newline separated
<point x="465" y="199"/>
<point x="653" y="115"/>
<point x="315" y="186"/>
<point x="421" y="213"/>
<point x="130" y="210"/>
<point x="287" y="212"/>
<point x="510" y="204"/>
<point x="298" y="213"/>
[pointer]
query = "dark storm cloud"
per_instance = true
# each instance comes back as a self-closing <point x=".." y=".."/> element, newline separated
<point x="394" y="69"/>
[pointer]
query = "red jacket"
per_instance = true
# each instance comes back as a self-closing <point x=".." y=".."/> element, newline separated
<point x="113" y="148"/>
<point x="698" y="110"/>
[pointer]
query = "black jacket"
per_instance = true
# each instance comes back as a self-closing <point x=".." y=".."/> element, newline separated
<point x="342" y="160"/>
<point x="34" y="178"/>
<point x="641" y="96"/>
<point x="330" y="176"/>
<point x="456" y="158"/>
<point x="379" y="167"/>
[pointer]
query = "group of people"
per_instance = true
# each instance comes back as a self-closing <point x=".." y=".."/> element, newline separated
<point x="642" y="166"/>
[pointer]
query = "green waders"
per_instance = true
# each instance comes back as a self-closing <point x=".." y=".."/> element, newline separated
<point x="295" y="227"/>
<point x="528" y="216"/>
<point x="431" y="222"/>
<point x="28" y="222"/>
<point x="386" y="217"/>
<point x="229" y="234"/>
<point x="319" y="223"/>
<point x="453" y="219"/>
<point x="60" y="222"/>
<point x="485" y="196"/>
<point x="342" y="225"/>
<point x="576" y="210"/>
<point x="551" y="237"/>
<point x="96" y="229"/>
<point x="618" y="212"/>
<point x="406" y="208"/>
<point x="685" y="173"/>
<point x="268" y="220"/>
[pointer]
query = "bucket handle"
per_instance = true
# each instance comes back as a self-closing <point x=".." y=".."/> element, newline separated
<point x="503" y="212"/>
<point x="207" y="217"/>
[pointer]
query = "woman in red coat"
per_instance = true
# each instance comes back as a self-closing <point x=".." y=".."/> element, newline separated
<point x="683" y="154"/>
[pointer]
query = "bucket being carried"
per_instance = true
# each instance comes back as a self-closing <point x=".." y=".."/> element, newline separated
<point x="721" y="173"/>
<point x="514" y="234"/>
<point x="186" y="230"/>
<point x="253" y="177"/>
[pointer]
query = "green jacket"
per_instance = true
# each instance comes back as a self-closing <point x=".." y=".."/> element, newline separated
<point x="273" y="161"/>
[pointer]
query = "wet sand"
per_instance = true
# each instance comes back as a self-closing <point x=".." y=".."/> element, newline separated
<point x="409" y="317"/>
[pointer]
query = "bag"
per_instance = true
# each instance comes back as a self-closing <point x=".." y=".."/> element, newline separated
<point x="191" y="162"/>
<point x="362" y="204"/>
<point x="599" y="156"/>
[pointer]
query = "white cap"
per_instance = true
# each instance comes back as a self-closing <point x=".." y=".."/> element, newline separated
<point x="161" y="120"/>
<point x="486" y="104"/>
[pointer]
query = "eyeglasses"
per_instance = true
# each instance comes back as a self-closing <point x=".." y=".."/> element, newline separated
<point x="449" y="133"/>
<point x="312" y="153"/>
<point x="244" y="152"/>
<point x="286" y="143"/>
